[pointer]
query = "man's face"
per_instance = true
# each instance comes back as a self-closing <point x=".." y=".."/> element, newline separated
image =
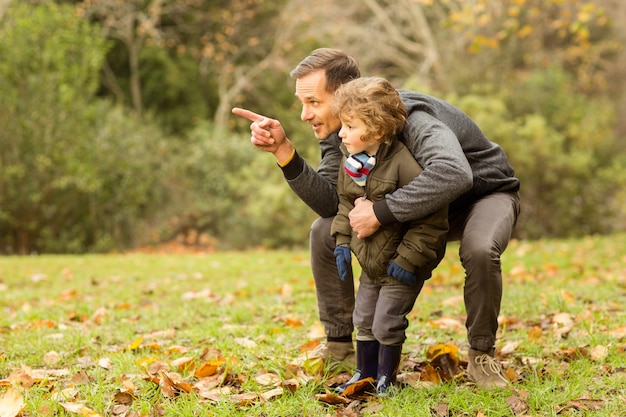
<point x="317" y="104"/>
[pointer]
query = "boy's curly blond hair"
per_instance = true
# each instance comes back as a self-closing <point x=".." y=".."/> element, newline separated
<point x="375" y="101"/>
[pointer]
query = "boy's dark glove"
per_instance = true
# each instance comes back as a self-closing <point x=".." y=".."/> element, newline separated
<point x="344" y="261"/>
<point x="401" y="274"/>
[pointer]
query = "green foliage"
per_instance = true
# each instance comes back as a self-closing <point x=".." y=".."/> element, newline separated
<point x="234" y="193"/>
<point x="172" y="89"/>
<point x="77" y="174"/>
<point x="560" y="144"/>
<point x="48" y="72"/>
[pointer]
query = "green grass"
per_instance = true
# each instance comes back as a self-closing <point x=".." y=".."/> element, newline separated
<point x="97" y="323"/>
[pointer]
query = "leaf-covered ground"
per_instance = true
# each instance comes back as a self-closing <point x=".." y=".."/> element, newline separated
<point x="195" y="334"/>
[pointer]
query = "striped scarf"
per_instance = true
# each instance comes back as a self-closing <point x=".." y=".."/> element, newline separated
<point x="358" y="166"/>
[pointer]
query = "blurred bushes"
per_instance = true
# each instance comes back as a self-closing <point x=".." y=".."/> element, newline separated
<point x="563" y="149"/>
<point x="81" y="174"/>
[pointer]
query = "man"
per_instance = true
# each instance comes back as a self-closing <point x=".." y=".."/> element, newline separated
<point x="461" y="169"/>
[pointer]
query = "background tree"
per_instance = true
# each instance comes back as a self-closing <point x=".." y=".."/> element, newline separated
<point x="542" y="78"/>
<point x="77" y="174"/>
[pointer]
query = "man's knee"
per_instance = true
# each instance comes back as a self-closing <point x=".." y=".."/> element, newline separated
<point x="479" y="250"/>
<point x="320" y="230"/>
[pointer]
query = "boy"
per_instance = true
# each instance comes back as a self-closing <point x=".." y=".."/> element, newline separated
<point x="399" y="257"/>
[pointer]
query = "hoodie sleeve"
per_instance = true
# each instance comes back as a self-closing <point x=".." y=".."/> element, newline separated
<point x="340" y="227"/>
<point x="446" y="176"/>
<point x="317" y="188"/>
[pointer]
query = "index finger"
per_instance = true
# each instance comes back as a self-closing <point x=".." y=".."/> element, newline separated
<point x="247" y="114"/>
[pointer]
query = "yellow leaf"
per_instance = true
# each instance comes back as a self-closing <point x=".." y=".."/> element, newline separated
<point x="135" y="345"/>
<point x="430" y="374"/>
<point x="441" y="349"/>
<point x="145" y="361"/>
<point x="313" y="366"/>
<point x="444" y="358"/>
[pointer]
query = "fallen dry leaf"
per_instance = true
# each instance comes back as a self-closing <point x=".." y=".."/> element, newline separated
<point x="292" y="321"/>
<point x="183" y="364"/>
<point x="583" y="404"/>
<point x="267" y="378"/>
<point x="448" y="323"/>
<point x="509" y="348"/>
<point x="52" y="357"/>
<point x="245" y="342"/>
<point x="209" y="368"/>
<point x="445" y="359"/>
<point x="309" y="346"/>
<point x="105" y="363"/>
<point x="359" y="386"/>
<point x="244" y="399"/>
<point x="517" y="404"/>
<point x="136" y="343"/>
<point x="599" y="353"/>
<point x="64" y="395"/>
<point x="172" y="384"/>
<point x="316" y="332"/>
<point x="176" y="349"/>
<point x="430" y="374"/>
<point x="441" y="410"/>
<point x="291" y="384"/>
<point x="123" y="398"/>
<point x="568" y="297"/>
<point x="535" y="334"/>
<point x="332" y="399"/>
<point x="79" y="409"/>
<point x="158" y="366"/>
<point x="276" y="392"/>
<point x="81" y="377"/>
<point x="563" y="323"/>
<point x="22" y="377"/>
<point x="214" y="394"/>
<point x="11" y="403"/>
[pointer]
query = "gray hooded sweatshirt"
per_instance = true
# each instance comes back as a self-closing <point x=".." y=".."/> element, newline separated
<point x="460" y="165"/>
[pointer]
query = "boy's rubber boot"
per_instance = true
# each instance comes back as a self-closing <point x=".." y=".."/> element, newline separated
<point x="388" y="363"/>
<point x="366" y="363"/>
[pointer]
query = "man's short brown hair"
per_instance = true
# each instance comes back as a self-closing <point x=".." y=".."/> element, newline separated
<point x="340" y="68"/>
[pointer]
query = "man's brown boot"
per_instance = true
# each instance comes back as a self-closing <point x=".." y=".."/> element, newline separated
<point x="337" y="355"/>
<point x="484" y="369"/>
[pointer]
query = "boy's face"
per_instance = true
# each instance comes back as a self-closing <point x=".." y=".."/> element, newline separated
<point x="317" y="104"/>
<point x="353" y="131"/>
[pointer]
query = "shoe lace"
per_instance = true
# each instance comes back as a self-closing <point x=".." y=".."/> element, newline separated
<point x="320" y="350"/>
<point x="492" y="364"/>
